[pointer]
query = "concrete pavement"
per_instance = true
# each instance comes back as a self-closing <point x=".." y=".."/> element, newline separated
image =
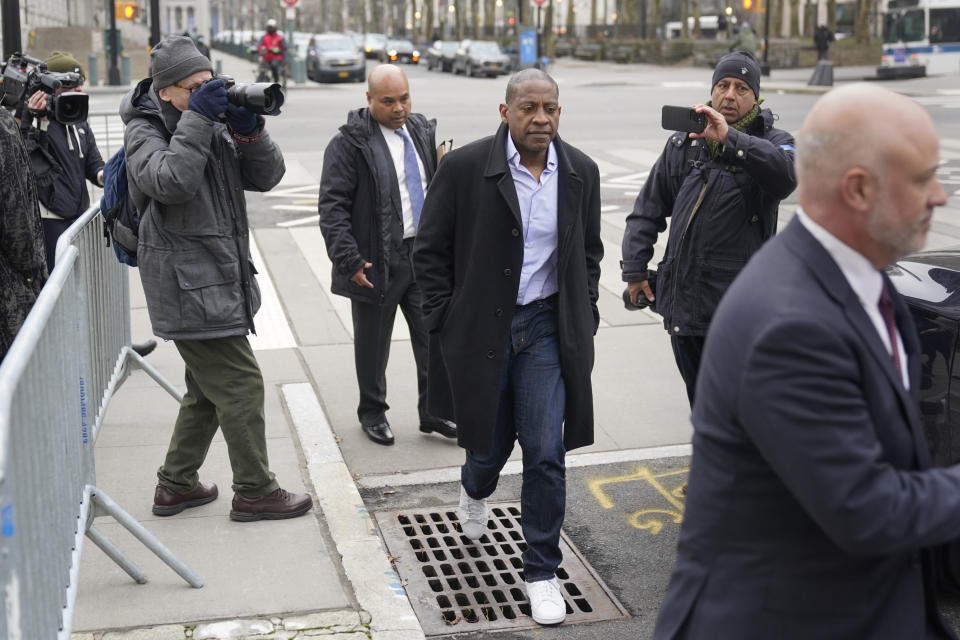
<point x="327" y="573"/>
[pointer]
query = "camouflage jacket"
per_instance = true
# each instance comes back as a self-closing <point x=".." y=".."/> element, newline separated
<point x="23" y="265"/>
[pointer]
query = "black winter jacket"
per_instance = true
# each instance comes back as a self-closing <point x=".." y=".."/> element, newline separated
<point x="360" y="215"/>
<point x="64" y="157"/>
<point x="741" y="192"/>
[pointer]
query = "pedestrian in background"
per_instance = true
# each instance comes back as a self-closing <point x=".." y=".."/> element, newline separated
<point x="508" y="258"/>
<point x="812" y="502"/>
<point x="187" y="172"/>
<point x="746" y="40"/>
<point x="375" y="173"/>
<point x="23" y="265"/>
<point x="822" y="37"/>
<point x="721" y="190"/>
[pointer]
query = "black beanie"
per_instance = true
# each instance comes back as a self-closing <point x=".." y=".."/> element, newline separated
<point x="174" y="59"/>
<point x="738" y="64"/>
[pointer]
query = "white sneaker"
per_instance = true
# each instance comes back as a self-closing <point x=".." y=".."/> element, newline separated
<point x="546" y="601"/>
<point x="473" y="516"/>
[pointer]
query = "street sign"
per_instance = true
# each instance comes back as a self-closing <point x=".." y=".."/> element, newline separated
<point x="539" y="3"/>
<point x="291" y="13"/>
<point x="291" y="3"/>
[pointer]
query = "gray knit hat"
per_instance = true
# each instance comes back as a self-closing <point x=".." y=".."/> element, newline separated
<point x="175" y="58"/>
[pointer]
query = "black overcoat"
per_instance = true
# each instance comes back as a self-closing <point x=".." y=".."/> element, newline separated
<point x="467" y="258"/>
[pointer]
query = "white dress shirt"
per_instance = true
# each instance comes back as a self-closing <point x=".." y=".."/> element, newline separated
<point x="865" y="281"/>
<point x="395" y="145"/>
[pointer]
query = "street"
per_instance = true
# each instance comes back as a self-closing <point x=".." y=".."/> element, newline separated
<point x="624" y="506"/>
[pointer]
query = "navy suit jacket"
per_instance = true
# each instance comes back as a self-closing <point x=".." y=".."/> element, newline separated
<point x="811" y="500"/>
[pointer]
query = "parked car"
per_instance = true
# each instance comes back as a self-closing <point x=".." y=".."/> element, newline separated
<point x="440" y="55"/>
<point x="481" y="57"/>
<point x="375" y="46"/>
<point x="930" y="282"/>
<point x="402" y="51"/>
<point x="334" y="56"/>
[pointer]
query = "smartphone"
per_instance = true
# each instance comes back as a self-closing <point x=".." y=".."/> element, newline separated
<point x="682" y="119"/>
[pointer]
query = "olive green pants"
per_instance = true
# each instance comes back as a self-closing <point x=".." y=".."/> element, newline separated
<point x="225" y="389"/>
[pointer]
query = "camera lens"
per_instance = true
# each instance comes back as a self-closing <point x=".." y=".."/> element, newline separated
<point x="262" y="97"/>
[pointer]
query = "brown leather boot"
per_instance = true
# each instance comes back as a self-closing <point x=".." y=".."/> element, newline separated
<point x="278" y="505"/>
<point x="168" y="503"/>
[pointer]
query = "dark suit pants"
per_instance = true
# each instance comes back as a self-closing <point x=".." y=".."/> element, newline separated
<point x="532" y="400"/>
<point x="372" y="328"/>
<point x="225" y="389"/>
<point x="687" y="351"/>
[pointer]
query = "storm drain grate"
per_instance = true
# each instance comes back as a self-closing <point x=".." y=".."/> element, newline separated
<point x="459" y="586"/>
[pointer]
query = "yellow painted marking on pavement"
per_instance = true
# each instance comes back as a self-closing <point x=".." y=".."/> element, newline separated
<point x="642" y="519"/>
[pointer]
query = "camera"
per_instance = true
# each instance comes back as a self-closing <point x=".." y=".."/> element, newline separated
<point x="23" y="76"/>
<point x="264" y="98"/>
<point x="642" y="302"/>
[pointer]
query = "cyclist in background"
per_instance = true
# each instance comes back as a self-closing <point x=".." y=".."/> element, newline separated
<point x="273" y="48"/>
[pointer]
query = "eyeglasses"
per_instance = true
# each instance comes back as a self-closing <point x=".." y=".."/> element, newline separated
<point x="193" y="88"/>
<point x="190" y="89"/>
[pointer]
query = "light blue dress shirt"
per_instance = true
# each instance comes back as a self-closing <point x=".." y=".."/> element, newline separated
<point x="538" y="214"/>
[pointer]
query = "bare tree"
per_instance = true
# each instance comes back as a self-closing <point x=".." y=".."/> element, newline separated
<point x="684" y="19"/>
<point x="697" y="33"/>
<point x="832" y="15"/>
<point x="548" y="40"/>
<point x="861" y="29"/>
<point x="794" y="18"/>
<point x="489" y="17"/>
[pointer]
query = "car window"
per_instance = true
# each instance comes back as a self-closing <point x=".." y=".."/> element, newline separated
<point x="488" y="48"/>
<point x="331" y="44"/>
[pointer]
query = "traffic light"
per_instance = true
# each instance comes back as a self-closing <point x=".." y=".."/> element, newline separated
<point x="747" y="5"/>
<point x="127" y="10"/>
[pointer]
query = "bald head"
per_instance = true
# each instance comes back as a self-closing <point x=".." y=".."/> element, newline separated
<point x="384" y="75"/>
<point x="866" y="162"/>
<point x="858" y="125"/>
<point x="388" y="96"/>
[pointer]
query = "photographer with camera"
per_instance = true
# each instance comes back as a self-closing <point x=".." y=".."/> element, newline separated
<point x="187" y="170"/>
<point x="721" y="187"/>
<point x="64" y="155"/>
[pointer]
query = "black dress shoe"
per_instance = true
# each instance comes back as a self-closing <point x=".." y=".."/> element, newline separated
<point x="379" y="433"/>
<point x="444" y="427"/>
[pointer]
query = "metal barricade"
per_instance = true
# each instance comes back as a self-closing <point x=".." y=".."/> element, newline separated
<point x="56" y="381"/>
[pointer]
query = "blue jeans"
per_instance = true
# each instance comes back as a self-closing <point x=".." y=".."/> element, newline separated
<point x="532" y="399"/>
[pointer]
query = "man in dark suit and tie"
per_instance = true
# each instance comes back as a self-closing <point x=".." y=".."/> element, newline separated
<point x="375" y="173"/>
<point x="812" y="501"/>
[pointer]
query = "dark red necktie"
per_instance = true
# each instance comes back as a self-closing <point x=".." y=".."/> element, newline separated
<point x="886" y="312"/>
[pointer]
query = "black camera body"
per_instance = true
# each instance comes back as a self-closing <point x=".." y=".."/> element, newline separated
<point x="23" y="76"/>
<point x="264" y="98"/>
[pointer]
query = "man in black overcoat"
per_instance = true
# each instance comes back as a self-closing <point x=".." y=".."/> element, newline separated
<point x="508" y="260"/>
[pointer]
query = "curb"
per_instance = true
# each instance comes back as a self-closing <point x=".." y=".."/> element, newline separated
<point x="345" y="625"/>
<point x="366" y="563"/>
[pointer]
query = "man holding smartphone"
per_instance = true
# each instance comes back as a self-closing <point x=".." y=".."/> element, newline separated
<point x="721" y="188"/>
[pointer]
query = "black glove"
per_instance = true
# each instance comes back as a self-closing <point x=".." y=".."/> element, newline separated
<point x="241" y="119"/>
<point x="210" y="100"/>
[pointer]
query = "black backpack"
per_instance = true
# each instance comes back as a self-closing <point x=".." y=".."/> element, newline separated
<point x="121" y="220"/>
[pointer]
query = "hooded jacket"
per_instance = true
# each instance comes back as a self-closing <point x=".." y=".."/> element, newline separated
<point x="739" y="194"/>
<point x="187" y="175"/>
<point x="64" y="157"/>
<point x="360" y="215"/>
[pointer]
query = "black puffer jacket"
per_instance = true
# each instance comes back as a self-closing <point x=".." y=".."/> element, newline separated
<point x="360" y="215"/>
<point x="741" y="192"/>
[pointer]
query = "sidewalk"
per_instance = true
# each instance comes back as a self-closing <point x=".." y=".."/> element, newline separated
<point x="322" y="574"/>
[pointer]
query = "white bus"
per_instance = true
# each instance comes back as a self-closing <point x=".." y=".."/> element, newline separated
<point x="920" y="37"/>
